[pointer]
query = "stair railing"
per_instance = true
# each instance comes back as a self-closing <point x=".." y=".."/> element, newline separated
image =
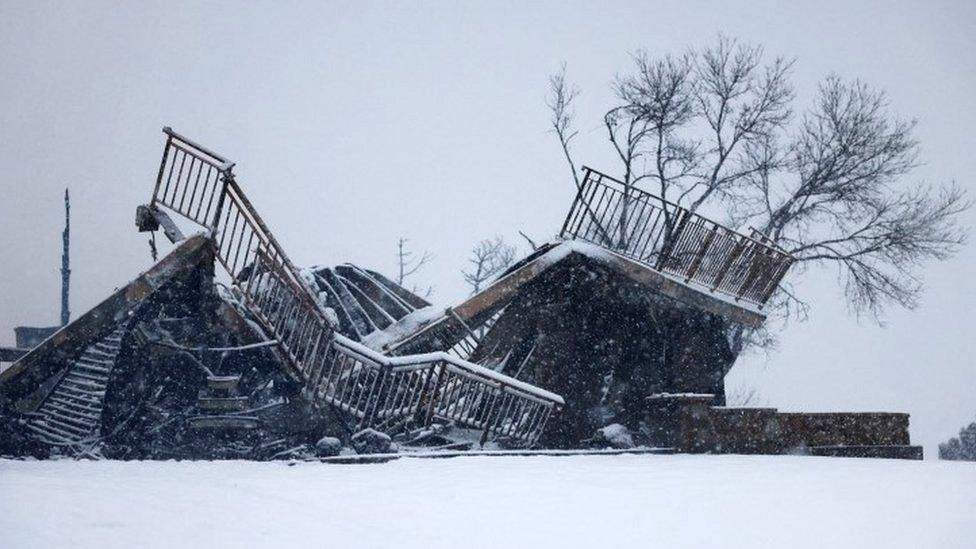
<point x="373" y="389"/>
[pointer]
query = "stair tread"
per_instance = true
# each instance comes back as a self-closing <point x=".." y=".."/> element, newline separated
<point x="79" y="394"/>
<point x="103" y="379"/>
<point x="224" y="379"/>
<point x="100" y="354"/>
<point x="84" y="412"/>
<point x="81" y="405"/>
<point x="80" y="429"/>
<point x="83" y="379"/>
<point x="87" y="393"/>
<point x="64" y="427"/>
<point x="93" y="368"/>
<point x="96" y="361"/>
<point x="59" y="435"/>
<point x="88" y="415"/>
<point x="50" y="435"/>
<point x="59" y="415"/>
<point x="84" y="383"/>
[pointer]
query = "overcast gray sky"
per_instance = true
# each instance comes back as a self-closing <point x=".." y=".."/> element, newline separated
<point x="354" y="123"/>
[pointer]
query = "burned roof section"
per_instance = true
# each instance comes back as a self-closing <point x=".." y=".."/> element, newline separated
<point x="364" y="301"/>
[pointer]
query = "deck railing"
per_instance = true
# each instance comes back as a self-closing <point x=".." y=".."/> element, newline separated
<point x="673" y="240"/>
<point x="377" y="390"/>
<point x="371" y="388"/>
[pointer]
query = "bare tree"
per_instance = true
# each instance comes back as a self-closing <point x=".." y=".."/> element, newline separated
<point x="488" y="258"/>
<point x="715" y="129"/>
<point x="408" y="265"/>
<point x="560" y="102"/>
<point x="839" y="198"/>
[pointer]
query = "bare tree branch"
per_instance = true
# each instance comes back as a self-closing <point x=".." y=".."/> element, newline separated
<point x="742" y="101"/>
<point x="407" y="266"/>
<point x="560" y="103"/>
<point x="488" y="258"/>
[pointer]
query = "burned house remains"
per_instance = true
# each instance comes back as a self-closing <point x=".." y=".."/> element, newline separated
<point x="613" y="334"/>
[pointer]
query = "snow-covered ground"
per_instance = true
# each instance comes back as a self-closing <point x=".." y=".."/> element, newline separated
<point x="468" y="502"/>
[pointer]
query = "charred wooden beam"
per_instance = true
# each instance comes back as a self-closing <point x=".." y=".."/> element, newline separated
<point x="150" y="218"/>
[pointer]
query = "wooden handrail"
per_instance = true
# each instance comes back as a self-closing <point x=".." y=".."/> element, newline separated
<point x="368" y="386"/>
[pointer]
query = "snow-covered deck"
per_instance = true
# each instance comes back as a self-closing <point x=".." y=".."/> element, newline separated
<point x="472" y="502"/>
<point x="414" y="325"/>
<point x="667" y="284"/>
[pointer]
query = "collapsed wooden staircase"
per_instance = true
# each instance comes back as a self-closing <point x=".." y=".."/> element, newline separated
<point x="71" y="413"/>
<point x="369" y="388"/>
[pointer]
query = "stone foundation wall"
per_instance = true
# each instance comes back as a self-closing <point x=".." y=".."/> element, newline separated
<point x="690" y="423"/>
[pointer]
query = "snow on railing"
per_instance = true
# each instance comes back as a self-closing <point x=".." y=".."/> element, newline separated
<point x="674" y="240"/>
<point x="374" y="389"/>
<point x="378" y="389"/>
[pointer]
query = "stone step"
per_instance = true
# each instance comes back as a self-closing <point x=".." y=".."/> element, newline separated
<point x="224" y="384"/>
<point x="228" y="422"/>
<point x="223" y="404"/>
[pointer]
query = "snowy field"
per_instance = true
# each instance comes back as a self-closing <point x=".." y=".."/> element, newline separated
<point x="468" y="502"/>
